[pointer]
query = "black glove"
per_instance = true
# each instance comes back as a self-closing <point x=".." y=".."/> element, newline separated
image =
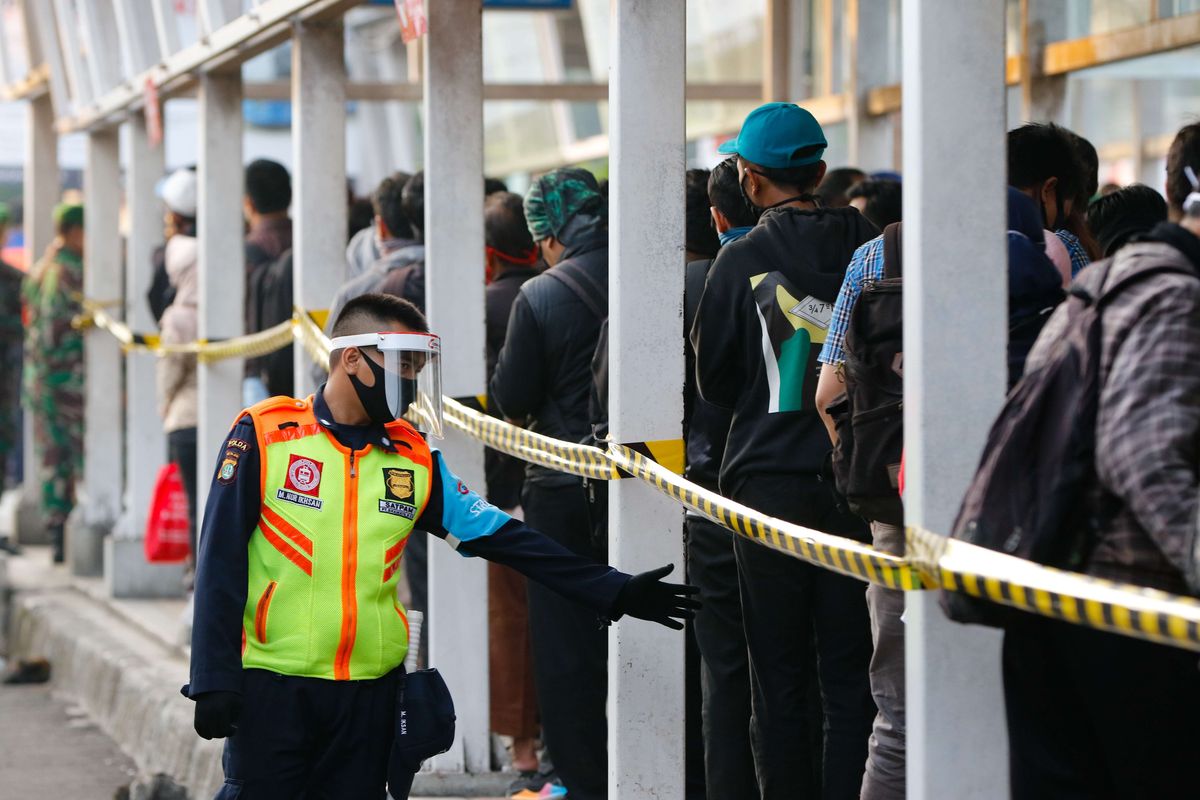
<point x="217" y="714"/>
<point x="647" y="597"/>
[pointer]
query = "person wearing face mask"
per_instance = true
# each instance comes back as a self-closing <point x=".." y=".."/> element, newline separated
<point x="299" y="640"/>
<point x="763" y="316"/>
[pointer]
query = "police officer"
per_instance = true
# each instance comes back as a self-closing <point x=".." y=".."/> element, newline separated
<point x="298" y="638"/>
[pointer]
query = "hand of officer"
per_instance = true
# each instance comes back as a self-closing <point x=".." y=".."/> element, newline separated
<point x="647" y="597"/>
<point x="217" y="714"/>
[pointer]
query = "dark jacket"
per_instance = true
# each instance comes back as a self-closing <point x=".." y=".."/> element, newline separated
<point x="505" y="474"/>
<point x="544" y="371"/>
<point x="1148" y="421"/>
<point x="761" y="322"/>
<point x="265" y="244"/>
<point x="705" y="426"/>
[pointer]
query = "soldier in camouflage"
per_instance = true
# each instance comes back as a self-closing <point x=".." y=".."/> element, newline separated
<point x="12" y="333"/>
<point x="53" y="293"/>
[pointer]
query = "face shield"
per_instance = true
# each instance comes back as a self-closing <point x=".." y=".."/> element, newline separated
<point x="407" y="384"/>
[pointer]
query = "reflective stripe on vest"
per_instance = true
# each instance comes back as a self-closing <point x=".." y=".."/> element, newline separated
<point x="324" y="557"/>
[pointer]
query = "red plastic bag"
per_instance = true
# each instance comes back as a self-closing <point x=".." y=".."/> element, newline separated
<point x="166" y="540"/>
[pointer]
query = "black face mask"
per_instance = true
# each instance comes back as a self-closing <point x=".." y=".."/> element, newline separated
<point x="374" y="398"/>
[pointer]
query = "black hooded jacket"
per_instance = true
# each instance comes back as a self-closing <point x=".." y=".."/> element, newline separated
<point x="544" y="371"/>
<point x="762" y="320"/>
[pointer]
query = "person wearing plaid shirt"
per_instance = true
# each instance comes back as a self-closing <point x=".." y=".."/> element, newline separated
<point x="1090" y="713"/>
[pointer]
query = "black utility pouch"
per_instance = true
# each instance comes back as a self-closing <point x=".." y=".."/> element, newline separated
<point x="424" y="722"/>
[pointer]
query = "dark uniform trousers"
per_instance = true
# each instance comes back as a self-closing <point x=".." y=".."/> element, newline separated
<point x="570" y="651"/>
<point x="792" y="610"/>
<point x="312" y="739"/>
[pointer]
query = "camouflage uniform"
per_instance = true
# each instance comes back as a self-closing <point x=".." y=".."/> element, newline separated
<point x="12" y="333"/>
<point x="54" y="378"/>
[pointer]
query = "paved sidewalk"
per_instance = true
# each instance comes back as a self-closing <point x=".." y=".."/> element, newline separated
<point x="49" y="749"/>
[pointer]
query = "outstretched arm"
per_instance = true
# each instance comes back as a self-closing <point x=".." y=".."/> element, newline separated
<point x="474" y="527"/>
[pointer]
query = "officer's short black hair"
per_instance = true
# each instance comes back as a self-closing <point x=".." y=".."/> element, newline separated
<point x="371" y="313"/>
<point x="268" y="186"/>
<point x="388" y="205"/>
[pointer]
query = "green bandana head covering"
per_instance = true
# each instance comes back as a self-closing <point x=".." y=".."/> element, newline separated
<point x="558" y="197"/>
<point x="68" y="215"/>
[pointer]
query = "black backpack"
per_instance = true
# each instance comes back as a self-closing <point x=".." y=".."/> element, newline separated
<point x="869" y="417"/>
<point x="1035" y="494"/>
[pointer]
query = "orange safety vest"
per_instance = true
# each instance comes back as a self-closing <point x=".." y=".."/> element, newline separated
<point x="324" y="557"/>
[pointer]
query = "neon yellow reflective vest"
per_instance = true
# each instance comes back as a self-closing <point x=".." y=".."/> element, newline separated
<point x="324" y="558"/>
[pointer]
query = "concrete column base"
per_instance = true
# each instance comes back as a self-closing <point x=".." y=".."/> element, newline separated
<point x="127" y="574"/>
<point x="31" y="525"/>
<point x="85" y="544"/>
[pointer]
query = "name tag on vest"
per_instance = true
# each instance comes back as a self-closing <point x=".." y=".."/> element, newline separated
<point x="397" y="509"/>
<point x="299" y="499"/>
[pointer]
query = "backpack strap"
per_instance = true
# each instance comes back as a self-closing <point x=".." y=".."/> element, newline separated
<point x="892" y="252"/>
<point x="595" y="296"/>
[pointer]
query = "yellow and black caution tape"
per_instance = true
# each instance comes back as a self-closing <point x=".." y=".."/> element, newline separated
<point x="576" y="459"/>
<point x="1136" y="611"/>
<point x="832" y="552"/>
<point x="251" y="345"/>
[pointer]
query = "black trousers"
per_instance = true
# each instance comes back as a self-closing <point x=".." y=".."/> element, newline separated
<point x="570" y="651"/>
<point x="724" y="665"/>
<point x="791" y="610"/>
<point x="1096" y="715"/>
<point x="181" y="448"/>
<point x="312" y="739"/>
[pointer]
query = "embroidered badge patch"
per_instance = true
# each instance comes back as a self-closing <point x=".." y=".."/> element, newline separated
<point x="303" y="483"/>
<point x="228" y="470"/>
<point x="399" y="487"/>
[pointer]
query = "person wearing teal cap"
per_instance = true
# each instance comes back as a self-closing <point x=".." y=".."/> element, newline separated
<point x="758" y="330"/>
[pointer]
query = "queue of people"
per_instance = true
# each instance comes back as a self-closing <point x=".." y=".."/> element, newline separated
<point x="802" y="689"/>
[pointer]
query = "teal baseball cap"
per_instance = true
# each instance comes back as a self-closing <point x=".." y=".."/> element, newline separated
<point x="778" y="136"/>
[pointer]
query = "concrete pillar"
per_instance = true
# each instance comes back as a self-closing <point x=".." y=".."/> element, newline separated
<point x="222" y="263"/>
<point x="319" y="176"/>
<point x="871" y="34"/>
<point x="98" y="496"/>
<point x="777" y="44"/>
<point x="646" y="126"/>
<point x="453" y="76"/>
<point x="41" y="193"/>
<point x="955" y="333"/>
<point x="126" y="571"/>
